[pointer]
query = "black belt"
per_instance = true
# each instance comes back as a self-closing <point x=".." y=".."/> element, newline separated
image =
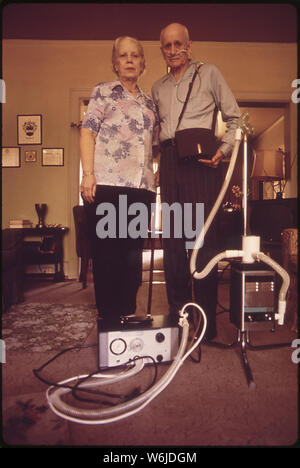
<point x="166" y="143"/>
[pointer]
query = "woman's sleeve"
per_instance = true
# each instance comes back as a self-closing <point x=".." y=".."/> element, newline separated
<point x="95" y="111"/>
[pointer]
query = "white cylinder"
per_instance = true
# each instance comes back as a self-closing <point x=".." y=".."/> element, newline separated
<point x="250" y="246"/>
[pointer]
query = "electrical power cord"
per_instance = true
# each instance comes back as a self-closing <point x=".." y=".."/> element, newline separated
<point x="135" y="402"/>
<point x="75" y="389"/>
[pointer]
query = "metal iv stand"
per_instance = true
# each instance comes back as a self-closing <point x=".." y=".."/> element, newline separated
<point x="243" y="335"/>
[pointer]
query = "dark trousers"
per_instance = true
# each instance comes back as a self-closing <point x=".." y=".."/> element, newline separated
<point x="117" y="262"/>
<point x="190" y="182"/>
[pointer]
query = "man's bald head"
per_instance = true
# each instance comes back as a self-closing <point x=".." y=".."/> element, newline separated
<point x="175" y="28"/>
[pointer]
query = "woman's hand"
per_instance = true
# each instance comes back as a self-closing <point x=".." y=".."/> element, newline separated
<point x="87" y="149"/>
<point x="88" y="187"/>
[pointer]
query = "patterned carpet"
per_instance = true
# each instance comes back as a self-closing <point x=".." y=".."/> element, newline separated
<point x="44" y="327"/>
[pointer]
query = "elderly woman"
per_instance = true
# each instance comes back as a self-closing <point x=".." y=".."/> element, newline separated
<point x="117" y="134"/>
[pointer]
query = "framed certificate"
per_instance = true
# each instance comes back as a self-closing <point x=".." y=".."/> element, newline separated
<point x="11" y="157"/>
<point x="52" y="157"/>
<point x="29" y="129"/>
<point x="31" y="156"/>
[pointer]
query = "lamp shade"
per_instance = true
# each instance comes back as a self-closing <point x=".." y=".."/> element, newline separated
<point x="268" y="165"/>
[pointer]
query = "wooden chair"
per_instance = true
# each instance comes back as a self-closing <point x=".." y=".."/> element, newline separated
<point x="290" y="264"/>
<point x="83" y="244"/>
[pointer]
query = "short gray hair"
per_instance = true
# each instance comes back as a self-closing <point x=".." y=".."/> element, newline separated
<point x="115" y="51"/>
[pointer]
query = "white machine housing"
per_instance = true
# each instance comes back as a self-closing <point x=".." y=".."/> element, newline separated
<point x="157" y="339"/>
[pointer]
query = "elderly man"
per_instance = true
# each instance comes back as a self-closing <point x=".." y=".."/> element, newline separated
<point x="197" y="181"/>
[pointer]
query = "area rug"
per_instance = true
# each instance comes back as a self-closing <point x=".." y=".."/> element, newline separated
<point x="44" y="327"/>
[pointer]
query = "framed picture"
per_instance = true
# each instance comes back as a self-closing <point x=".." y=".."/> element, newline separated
<point x="31" y="156"/>
<point x="29" y="129"/>
<point x="52" y="156"/>
<point x="11" y="157"/>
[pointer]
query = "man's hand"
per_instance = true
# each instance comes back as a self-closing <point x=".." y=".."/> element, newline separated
<point x="214" y="161"/>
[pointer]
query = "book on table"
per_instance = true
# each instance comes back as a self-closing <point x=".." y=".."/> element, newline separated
<point x="20" y="223"/>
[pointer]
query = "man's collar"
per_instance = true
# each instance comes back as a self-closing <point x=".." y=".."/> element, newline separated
<point x="170" y="74"/>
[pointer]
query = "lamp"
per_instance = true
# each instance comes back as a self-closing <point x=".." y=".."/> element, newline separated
<point x="268" y="166"/>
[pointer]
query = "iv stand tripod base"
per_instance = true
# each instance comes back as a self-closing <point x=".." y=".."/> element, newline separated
<point x="243" y="340"/>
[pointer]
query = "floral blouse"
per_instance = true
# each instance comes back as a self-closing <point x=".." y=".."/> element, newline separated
<point x="126" y="129"/>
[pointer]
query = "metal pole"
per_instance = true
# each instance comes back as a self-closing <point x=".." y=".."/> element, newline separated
<point x="245" y="168"/>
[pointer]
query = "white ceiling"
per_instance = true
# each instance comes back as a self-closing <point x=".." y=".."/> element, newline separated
<point x="262" y="118"/>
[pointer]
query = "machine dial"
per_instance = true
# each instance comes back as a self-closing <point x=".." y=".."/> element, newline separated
<point x="118" y="346"/>
<point x="136" y="345"/>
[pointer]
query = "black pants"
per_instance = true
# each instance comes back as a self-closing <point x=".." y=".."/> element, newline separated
<point x="190" y="182"/>
<point x="117" y="262"/>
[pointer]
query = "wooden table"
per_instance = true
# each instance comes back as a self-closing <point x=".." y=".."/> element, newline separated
<point x="48" y="251"/>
